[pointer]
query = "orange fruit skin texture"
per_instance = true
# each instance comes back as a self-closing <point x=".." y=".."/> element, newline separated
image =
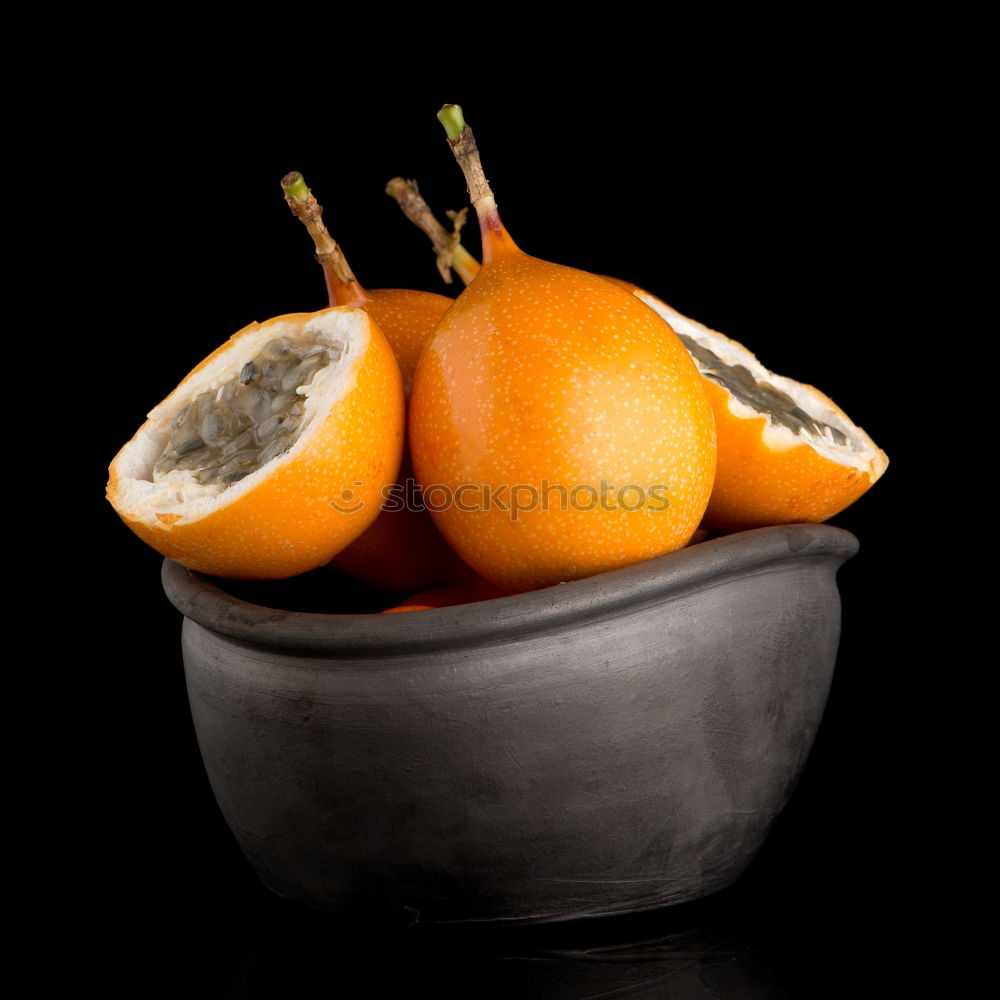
<point x="407" y="318"/>
<point x="447" y="597"/>
<point x="545" y="374"/>
<point x="286" y="525"/>
<point x="403" y="551"/>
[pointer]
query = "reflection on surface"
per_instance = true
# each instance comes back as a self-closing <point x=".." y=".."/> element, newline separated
<point x="801" y="924"/>
<point x="695" y="952"/>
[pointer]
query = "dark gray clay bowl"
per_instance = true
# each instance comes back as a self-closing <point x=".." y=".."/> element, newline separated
<point x="604" y="746"/>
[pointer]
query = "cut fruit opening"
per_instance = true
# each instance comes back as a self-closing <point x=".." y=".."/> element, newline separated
<point x="789" y="406"/>
<point x="170" y="474"/>
<point x="795" y="412"/>
<point x="225" y="434"/>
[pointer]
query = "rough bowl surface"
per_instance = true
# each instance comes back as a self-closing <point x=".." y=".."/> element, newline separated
<point x="609" y="745"/>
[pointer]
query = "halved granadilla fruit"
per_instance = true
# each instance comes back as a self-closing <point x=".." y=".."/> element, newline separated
<point x="273" y="454"/>
<point x="787" y="452"/>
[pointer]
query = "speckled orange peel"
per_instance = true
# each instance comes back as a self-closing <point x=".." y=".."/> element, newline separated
<point x="548" y="378"/>
<point x="402" y="551"/>
<point x="787" y="452"/>
<point x="296" y="511"/>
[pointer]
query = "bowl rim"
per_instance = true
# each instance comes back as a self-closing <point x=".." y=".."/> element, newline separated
<point x="203" y="599"/>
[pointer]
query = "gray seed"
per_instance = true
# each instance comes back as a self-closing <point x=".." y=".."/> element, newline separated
<point x="205" y="403"/>
<point x="208" y="476"/>
<point x="253" y="401"/>
<point x="240" y="420"/>
<point x="214" y="427"/>
<point x="293" y="379"/>
<point x="244" y="440"/>
<point x="283" y="402"/>
<point x="275" y="373"/>
<point x="240" y="465"/>
<point x="242" y="459"/>
<point x="180" y="417"/>
<point x="234" y="476"/>
<point x="276" y="348"/>
<point x="197" y="459"/>
<point x="188" y="426"/>
<point x="304" y="372"/>
<point x="269" y="427"/>
<point x="278" y="446"/>
<point x="165" y="463"/>
<point x="228" y="392"/>
<point x="188" y="444"/>
<point x="248" y="373"/>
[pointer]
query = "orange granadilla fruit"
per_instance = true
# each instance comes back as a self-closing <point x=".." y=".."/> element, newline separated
<point x="549" y="388"/>
<point x="273" y="453"/>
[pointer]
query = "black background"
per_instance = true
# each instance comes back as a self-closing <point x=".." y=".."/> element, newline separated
<point x="829" y="202"/>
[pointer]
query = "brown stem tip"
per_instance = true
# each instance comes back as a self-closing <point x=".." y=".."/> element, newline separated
<point x="412" y="203"/>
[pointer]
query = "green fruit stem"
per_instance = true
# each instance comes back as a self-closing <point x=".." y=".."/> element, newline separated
<point x="451" y="117"/>
<point x="294" y="186"/>
<point x="309" y="212"/>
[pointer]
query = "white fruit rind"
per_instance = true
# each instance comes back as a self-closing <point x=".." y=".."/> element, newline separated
<point x="859" y="451"/>
<point x="141" y="499"/>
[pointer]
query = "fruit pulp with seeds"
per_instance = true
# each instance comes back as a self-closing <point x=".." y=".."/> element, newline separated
<point x="226" y="433"/>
